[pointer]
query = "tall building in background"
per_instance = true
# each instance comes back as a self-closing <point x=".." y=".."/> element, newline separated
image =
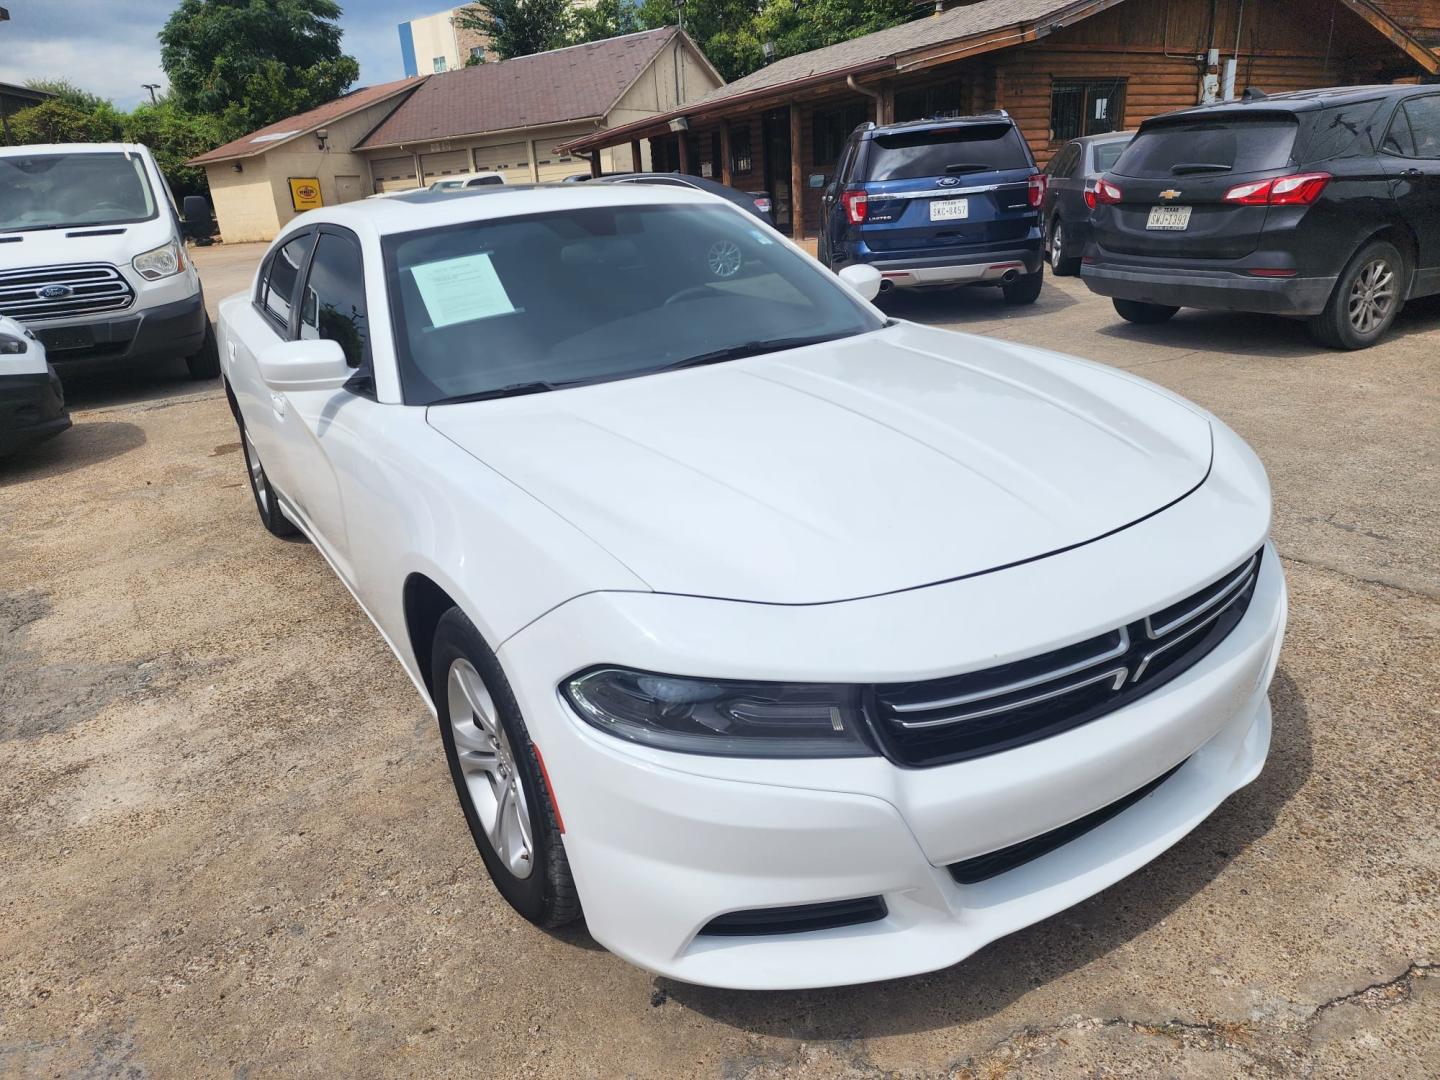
<point x="433" y="43"/>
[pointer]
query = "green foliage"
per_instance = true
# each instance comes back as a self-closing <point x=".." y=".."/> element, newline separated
<point x="604" y="19"/>
<point x="252" y="62"/>
<point x="68" y="92"/>
<point x="716" y="25"/>
<point x="58" y="121"/>
<point x="174" y="137"/>
<point x="519" y="27"/>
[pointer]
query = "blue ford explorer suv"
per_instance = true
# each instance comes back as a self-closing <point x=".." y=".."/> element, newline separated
<point x="938" y="202"/>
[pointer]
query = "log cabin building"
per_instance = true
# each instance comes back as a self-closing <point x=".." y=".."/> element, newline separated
<point x="1061" y="68"/>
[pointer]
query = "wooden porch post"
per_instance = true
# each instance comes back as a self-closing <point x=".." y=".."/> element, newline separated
<point x="636" y="161"/>
<point x="725" y="152"/>
<point x="595" y="162"/>
<point x="684" y="155"/>
<point x="797" y="177"/>
<point x="885" y="105"/>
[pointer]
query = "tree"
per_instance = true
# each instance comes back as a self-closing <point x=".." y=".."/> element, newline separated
<point x="58" y="121"/>
<point x="68" y="92"/>
<point x="518" y="27"/>
<point x="252" y="62"/>
<point x="174" y="137"/>
<point x="603" y="19"/>
<point x="716" y="26"/>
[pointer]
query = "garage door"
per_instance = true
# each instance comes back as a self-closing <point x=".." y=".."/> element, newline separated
<point x="511" y="159"/>
<point x="553" y="167"/>
<point x="393" y="174"/>
<point x="448" y="163"/>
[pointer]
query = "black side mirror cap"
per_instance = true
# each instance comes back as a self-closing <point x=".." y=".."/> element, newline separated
<point x="196" y="218"/>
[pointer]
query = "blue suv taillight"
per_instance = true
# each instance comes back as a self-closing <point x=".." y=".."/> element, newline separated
<point x="856" y="204"/>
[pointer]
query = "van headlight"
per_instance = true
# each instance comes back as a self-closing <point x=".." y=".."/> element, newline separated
<point x="718" y="716"/>
<point x="161" y="262"/>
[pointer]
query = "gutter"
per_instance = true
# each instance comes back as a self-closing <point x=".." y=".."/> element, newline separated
<point x="476" y="134"/>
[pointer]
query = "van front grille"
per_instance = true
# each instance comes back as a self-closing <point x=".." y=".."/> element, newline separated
<point x="60" y="292"/>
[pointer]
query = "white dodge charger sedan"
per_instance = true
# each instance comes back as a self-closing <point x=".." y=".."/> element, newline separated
<point x="799" y="646"/>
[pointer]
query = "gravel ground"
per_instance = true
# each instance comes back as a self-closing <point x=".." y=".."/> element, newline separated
<point x="231" y="846"/>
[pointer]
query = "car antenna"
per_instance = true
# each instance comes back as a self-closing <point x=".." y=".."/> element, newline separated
<point x="1252" y="94"/>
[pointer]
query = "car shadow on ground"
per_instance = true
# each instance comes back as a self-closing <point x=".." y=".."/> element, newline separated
<point x="969" y="304"/>
<point x="1004" y="971"/>
<point x="94" y="384"/>
<point x="87" y="443"/>
<point x="1248" y="335"/>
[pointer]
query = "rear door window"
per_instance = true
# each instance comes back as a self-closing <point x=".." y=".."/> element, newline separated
<point x="972" y="148"/>
<point x="277" y="291"/>
<point x="1421" y="117"/>
<point x="1209" y="147"/>
<point x="1107" y="154"/>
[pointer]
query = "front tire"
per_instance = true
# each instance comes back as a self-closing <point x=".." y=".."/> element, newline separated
<point x="1061" y="265"/>
<point x="497" y="776"/>
<point x="1366" y="299"/>
<point x="271" y="516"/>
<point x="1026" y="289"/>
<point x="205" y="364"/>
<point x="1143" y="314"/>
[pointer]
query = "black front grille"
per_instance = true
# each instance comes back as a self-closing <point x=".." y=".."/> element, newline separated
<point x="971" y="871"/>
<point x="985" y="712"/>
<point x="59" y="292"/>
<point x="797" y="918"/>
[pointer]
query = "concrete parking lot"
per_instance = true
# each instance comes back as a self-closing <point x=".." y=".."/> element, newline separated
<point x="231" y="845"/>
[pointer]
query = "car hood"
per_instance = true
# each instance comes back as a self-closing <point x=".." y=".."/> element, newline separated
<point x="882" y="462"/>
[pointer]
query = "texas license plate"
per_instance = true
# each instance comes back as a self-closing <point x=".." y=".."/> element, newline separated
<point x="949" y="209"/>
<point x="1173" y="218"/>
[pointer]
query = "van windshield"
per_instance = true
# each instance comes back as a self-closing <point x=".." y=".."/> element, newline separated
<point x="57" y="191"/>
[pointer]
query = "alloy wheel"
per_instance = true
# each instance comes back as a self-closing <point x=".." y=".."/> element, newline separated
<point x="257" y="474"/>
<point x="1057" y="246"/>
<point x="1372" y="296"/>
<point x="488" y="765"/>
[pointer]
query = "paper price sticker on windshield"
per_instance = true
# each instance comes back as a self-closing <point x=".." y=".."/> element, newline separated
<point x="461" y="290"/>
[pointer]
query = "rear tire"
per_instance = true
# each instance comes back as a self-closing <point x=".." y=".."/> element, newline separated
<point x="1367" y="297"/>
<point x="1061" y="265"/>
<point x="1143" y="314"/>
<point x="497" y="776"/>
<point x="205" y="364"/>
<point x="1025" y="289"/>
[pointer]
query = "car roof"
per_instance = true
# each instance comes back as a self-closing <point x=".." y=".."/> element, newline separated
<point x="30" y="149"/>
<point x="937" y="123"/>
<point x="1298" y="101"/>
<point x="1109" y="136"/>
<point x="424" y="209"/>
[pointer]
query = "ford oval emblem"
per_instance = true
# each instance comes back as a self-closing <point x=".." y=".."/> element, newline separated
<point x="54" y="292"/>
<point x="948" y="181"/>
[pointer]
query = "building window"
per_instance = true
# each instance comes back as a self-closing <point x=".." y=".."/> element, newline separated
<point x="477" y="54"/>
<point x="740" y="160"/>
<point x="439" y="63"/>
<point x="830" y="129"/>
<point x="929" y="101"/>
<point x="1090" y="107"/>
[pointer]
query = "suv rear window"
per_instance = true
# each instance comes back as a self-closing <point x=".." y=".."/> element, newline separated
<point x="973" y="148"/>
<point x="1210" y="146"/>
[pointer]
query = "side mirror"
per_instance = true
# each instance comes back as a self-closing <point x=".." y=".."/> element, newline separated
<point x="195" y="217"/>
<point x="314" y="364"/>
<point x="862" y="279"/>
<point x="817" y="180"/>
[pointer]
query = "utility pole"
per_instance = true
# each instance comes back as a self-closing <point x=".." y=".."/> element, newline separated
<point x="152" y="87"/>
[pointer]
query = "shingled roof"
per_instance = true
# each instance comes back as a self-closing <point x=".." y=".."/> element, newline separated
<point x="257" y="142"/>
<point x="576" y="83"/>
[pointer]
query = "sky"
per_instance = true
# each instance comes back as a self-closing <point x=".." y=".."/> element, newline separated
<point x="109" y="47"/>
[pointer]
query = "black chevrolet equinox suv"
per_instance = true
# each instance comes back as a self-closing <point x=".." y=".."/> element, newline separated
<point x="1323" y="204"/>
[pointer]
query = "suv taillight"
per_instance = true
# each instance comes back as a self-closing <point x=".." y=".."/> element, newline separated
<point x="1107" y="193"/>
<point x="857" y="204"/>
<point x="1038" y="184"/>
<point x="1298" y="189"/>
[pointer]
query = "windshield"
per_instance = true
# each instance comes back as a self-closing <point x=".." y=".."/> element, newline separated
<point x="970" y="148"/>
<point x="523" y="304"/>
<point x="53" y="191"/>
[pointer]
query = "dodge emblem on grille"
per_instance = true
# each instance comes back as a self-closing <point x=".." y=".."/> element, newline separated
<point x="54" y="292"/>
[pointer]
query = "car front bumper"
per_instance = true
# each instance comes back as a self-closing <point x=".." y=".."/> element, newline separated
<point x="662" y="843"/>
<point x="1219" y="290"/>
<point x="32" y="408"/>
<point x="164" y="331"/>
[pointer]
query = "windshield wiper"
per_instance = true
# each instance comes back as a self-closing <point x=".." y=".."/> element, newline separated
<point x="1186" y="167"/>
<point x="749" y="348"/>
<point x="41" y="228"/>
<point x="537" y="386"/>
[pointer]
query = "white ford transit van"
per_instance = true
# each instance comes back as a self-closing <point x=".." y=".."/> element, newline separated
<point x="93" y="260"/>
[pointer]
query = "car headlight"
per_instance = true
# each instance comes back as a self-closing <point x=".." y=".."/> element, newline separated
<point x="719" y="716"/>
<point x="10" y="345"/>
<point x="161" y="262"/>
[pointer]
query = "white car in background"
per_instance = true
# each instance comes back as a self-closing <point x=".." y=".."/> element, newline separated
<point x="468" y="180"/>
<point x="32" y="403"/>
<point x="800" y="646"/>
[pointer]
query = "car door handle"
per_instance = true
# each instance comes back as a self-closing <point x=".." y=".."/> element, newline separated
<point x="1412" y="173"/>
<point x="277" y="405"/>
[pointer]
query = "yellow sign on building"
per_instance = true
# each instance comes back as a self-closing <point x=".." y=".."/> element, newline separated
<point x="305" y="192"/>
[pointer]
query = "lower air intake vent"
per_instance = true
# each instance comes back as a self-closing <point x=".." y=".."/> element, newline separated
<point x="992" y="863"/>
<point x="798" y="919"/>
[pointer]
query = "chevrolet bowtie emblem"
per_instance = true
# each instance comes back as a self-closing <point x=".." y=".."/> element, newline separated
<point x="1169" y="193"/>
